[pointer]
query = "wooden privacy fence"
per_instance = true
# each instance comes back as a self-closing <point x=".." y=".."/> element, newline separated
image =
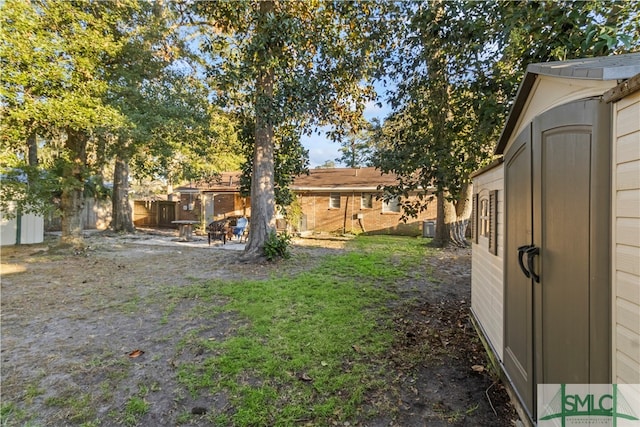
<point x="96" y="214"/>
<point x="154" y="213"/>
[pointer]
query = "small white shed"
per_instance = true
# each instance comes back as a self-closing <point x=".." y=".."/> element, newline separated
<point x="556" y="243"/>
<point x="23" y="229"/>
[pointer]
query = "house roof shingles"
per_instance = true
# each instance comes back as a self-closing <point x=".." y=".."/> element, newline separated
<point x="228" y="182"/>
<point x="343" y="179"/>
<point x="331" y="179"/>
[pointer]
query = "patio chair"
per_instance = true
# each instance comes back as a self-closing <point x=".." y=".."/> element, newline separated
<point x="218" y="230"/>
<point x="240" y="227"/>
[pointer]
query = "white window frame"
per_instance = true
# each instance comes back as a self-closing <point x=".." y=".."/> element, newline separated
<point x="483" y="217"/>
<point x="366" y="201"/>
<point x="332" y="200"/>
<point x="392" y="205"/>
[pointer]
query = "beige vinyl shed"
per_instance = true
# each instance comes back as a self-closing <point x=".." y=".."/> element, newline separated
<point x="556" y="241"/>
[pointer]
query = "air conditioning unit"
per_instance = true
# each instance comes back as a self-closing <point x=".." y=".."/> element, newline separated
<point x="428" y="229"/>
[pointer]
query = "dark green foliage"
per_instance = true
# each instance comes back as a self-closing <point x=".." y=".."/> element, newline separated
<point x="27" y="189"/>
<point x="277" y="246"/>
<point x="289" y="67"/>
<point x="291" y="159"/>
<point x="458" y="67"/>
<point x="87" y="82"/>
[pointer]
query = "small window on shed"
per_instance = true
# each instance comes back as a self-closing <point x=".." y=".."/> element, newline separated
<point x="334" y="201"/>
<point x="483" y="210"/>
<point x="391" y="205"/>
<point x="366" y="201"/>
<point x="485" y="219"/>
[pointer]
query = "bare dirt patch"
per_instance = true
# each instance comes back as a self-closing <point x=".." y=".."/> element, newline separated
<point x="442" y="375"/>
<point x="72" y="320"/>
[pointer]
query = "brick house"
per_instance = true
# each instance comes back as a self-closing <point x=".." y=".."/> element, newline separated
<point x="211" y="201"/>
<point x="347" y="200"/>
<point x="336" y="200"/>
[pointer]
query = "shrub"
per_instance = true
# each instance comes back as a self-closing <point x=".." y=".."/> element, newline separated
<point x="277" y="246"/>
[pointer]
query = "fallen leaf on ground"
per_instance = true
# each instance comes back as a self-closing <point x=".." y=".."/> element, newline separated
<point x="136" y="353"/>
<point x="304" y="377"/>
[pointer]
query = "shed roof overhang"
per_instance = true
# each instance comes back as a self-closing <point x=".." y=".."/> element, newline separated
<point x="494" y="164"/>
<point x="623" y="89"/>
<point x="549" y="84"/>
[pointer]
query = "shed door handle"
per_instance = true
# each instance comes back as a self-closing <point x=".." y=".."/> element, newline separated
<point x="521" y="251"/>
<point x="531" y="252"/>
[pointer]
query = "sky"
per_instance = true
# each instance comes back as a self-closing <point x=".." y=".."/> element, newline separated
<point x="322" y="149"/>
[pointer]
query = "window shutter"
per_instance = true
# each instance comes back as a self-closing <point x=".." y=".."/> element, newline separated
<point x="493" y="222"/>
<point x="475" y="218"/>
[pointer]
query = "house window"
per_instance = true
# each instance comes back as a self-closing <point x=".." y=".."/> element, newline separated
<point x="366" y="201"/>
<point x="483" y="227"/>
<point x="334" y="201"/>
<point x="391" y="205"/>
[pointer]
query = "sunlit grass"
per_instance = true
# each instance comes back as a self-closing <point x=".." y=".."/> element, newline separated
<point x="309" y="344"/>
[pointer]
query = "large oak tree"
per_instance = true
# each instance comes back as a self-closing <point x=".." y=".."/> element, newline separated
<point x="297" y="64"/>
<point x="53" y="85"/>
<point x="89" y="85"/>
<point x="458" y="66"/>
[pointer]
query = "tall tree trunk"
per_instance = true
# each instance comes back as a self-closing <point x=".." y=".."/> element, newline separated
<point x="440" y="114"/>
<point x="121" y="214"/>
<point x="263" y="178"/>
<point x="32" y="147"/>
<point x="463" y="213"/>
<point x="453" y="218"/>
<point x="32" y="158"/>
<point x="72" y="199"/>
<point x="443" y="220"/>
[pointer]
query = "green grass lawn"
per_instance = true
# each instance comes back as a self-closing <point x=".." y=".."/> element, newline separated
<point x="308" y="344"/>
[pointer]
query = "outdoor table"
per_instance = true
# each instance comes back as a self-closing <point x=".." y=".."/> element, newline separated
<point x="186" y="229"/>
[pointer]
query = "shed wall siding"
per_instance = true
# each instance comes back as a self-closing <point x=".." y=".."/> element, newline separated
<point x="487" y="269"/>
<point x="626" y="241"/>
<point x="31" y="229"/>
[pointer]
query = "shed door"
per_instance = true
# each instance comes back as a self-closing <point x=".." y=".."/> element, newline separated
<point x="518" y="293"/>
<point x="564" y="246"/>
<point x="571" y="217"/>
<point x="166" y="213"/>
